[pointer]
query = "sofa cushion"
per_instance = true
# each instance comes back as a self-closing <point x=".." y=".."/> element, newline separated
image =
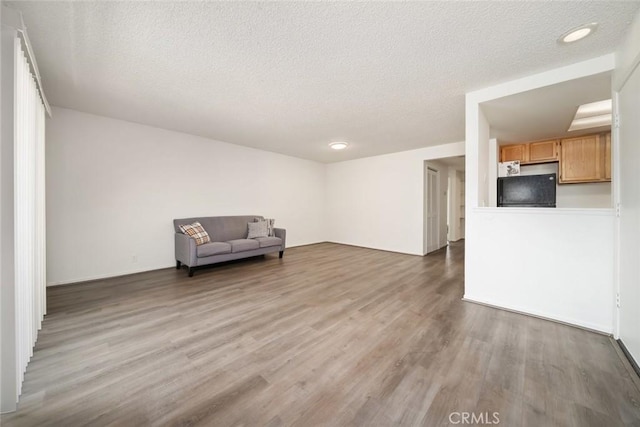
<point x="196" y="232"/>
<point x="269" y="241"/>
<point x="213" y="248"/>
<point x="240" y="245"/>
<point x="257" y="229"/>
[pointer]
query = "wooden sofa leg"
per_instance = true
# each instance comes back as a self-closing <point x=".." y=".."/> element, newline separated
<point x="281" y="254"/>
<point x="191" y="271"/>
<point x="178" y="265"/>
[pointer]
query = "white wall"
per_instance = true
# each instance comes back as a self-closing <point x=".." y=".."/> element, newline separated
<point x="484" y="154"/>
<point x="114" y="187"/>
<point x="494" y="156"/>
<point x="556" y="263"/>
<point x="626" y="154"/>
<point x="627" y="56"/>
<point x="126" y="182"/>
<point x="377" y="202"/>
<point x="550" y="262"/>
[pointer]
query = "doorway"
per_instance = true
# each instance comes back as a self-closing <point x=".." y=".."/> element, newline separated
<point x="443" y="202"/>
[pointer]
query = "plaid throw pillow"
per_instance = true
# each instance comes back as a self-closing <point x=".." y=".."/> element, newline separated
<point x="197" y="232"/>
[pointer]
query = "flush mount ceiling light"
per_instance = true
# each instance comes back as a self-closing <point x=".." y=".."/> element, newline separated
<point x="338" y="145"/>
<point x="578" y="33"/>
<point x="592" y="115"/>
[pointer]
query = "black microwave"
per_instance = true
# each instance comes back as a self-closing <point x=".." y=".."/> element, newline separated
<point x="527" y="191"/>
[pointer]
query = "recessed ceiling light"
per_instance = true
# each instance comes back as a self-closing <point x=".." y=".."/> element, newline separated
<point x="338" y="145"/>
<point x="578" y="33"/>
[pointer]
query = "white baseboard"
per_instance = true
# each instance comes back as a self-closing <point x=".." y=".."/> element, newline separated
<point x="374" y="248"/>
<point x="592" y="327"/>
<point x="133" y="271"/>
<point x="144" y="269"/>
<point x="107" y="276"/>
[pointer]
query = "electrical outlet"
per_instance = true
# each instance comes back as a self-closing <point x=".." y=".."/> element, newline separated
<point x="618" y="300"/>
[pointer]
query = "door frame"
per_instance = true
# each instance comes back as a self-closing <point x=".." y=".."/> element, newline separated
<point x="426" y="248"/>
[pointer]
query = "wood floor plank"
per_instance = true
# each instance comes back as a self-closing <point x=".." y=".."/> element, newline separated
<point x="330" y="335"/>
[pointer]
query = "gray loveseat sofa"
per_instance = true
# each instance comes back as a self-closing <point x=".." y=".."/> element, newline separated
<point x="229" y="241"/>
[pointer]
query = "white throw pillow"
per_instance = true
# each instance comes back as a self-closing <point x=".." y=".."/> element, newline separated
<point x="270" y="222"/>
<point x="257" y="229"/>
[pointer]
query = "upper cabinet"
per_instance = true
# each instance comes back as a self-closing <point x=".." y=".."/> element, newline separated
<point x="581" y="159"/>
<point x="510" y="153"/>
<point x="530" y="153"/>
<point x="585" y="159"/>
<point x="543" y="151"/>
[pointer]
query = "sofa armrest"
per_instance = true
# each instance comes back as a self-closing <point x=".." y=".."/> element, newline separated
<point x="185" y="249"/>
<point x="281" y="233"/>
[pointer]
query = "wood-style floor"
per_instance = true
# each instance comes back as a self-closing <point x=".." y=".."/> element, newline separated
<point x="329" y="335"/>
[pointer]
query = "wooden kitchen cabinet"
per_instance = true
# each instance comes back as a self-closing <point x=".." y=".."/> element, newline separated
<point x="585" y="159"/>
<point x="532" y="152"/>
<point x="582" y="159"/>
<point x="607" y="157"/>
<point x="543" y="151"/>
<point x="510" y="153"/>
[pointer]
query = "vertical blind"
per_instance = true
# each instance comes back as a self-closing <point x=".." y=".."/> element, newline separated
<point x="29" y="205"/>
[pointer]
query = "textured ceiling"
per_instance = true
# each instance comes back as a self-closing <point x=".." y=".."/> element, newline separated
<point x="290" y="77"/>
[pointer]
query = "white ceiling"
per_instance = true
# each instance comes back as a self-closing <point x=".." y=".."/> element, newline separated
<point x="290" y="77"/>
<point x="546" y="112"/>
<point x="456" y="162"/>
